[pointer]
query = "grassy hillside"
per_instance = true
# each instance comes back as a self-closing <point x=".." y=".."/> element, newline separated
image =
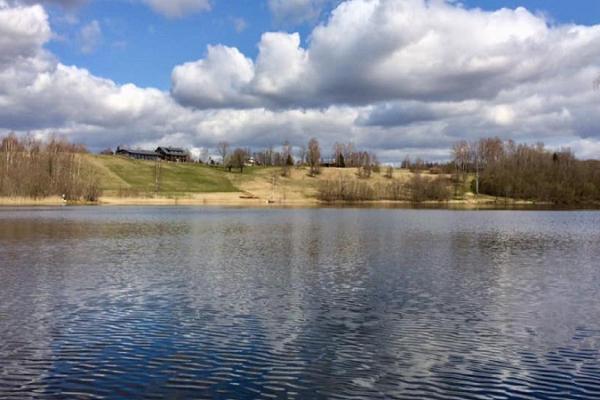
<point x="123" y="176"/>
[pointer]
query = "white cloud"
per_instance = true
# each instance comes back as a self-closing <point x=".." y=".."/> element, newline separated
<point x="390" y="75"/>
<point x="178" y="8"/>
<point x="218" y="80"/>
<point x="422" y="70"/>
<point x="90" y="37"/>
<point x="23" y="30"/>
<point x="281" y="65"/>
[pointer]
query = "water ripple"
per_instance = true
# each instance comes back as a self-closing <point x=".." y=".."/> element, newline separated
<point x="269" y="304"/>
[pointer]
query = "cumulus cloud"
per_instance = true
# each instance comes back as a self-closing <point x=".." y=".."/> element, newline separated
<point x="384" y="50"/>
<point x="40" y="95"/>
<point x="178" y="8"/>
<point x="393" y="76"/>
<point x="218" y="80"/>
<point x="420" y="69"/>
<point x="23" y="30"/>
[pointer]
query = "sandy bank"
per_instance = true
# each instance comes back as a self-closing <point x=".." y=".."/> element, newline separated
<point x="236" y="199"/>
<point x="26" y="201"/>
<point x="241" y="199"/>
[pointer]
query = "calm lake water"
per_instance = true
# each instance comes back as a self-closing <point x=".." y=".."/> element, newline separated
<point x="319" y="303"/>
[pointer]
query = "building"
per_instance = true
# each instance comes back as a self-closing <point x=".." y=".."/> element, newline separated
<point x="138" y="154"/>
<point x="173" y="154"/>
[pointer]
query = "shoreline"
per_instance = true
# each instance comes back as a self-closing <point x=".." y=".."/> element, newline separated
<point x="242" y="200"/>
<point x="28" y="201"/>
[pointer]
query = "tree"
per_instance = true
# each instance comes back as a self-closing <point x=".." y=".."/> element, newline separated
<point x="365" y="168"/>
<point x="461" y="155"/>
<point x="238" y="159"/>
<point x="340" y="161"/>
<point x="32" y="168"/>
<point x="223" y="149"/>
<point x="338" y="155"/>
<point x="314" y="157"/>
<point x="204" y="156"/>
<point x="301" y="155"/>
<point x="389" y="172"/>
<point x="406" y="163"/>
<point x="287" y="160"/>
<point x="375" y="163"/>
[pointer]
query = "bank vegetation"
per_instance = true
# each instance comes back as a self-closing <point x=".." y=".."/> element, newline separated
<point x="32" y="168"/>
<point x="527" y="172"/>
<point x="417" y="189"/>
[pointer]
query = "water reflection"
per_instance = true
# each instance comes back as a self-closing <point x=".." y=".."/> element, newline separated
<point x="192" y="302"/>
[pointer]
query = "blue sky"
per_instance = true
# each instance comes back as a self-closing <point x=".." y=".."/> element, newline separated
<point x="396" y="77"/>
<point x="141" y="46"/>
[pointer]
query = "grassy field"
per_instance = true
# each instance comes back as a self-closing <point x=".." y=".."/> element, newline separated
<point x="126" y="177"/>
<point x="125" y="180"/>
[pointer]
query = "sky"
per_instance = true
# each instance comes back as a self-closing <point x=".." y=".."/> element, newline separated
<point x="397" y="77"/>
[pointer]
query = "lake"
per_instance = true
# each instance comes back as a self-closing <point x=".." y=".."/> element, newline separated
<point x="301" y="303"/>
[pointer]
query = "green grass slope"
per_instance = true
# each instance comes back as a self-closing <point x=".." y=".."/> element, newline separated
<point x="123" y="176"/>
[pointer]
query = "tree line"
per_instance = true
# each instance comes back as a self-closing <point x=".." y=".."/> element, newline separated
<point x="33" y="168"/>
<point x="417" y="189"/>
<point x="527" y="172"/>
<point x="311" y="155"/>
<point x="239" y="157"/>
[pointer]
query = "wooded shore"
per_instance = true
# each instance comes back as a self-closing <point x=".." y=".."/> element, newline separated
<point x="485" y="174"/>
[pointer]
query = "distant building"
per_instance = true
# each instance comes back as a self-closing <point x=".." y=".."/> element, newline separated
<point x="173" y="154"/>
<point x="163" y="153"/>
<point x="138" y="154"/>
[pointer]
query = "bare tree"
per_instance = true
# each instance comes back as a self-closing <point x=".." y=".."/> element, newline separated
<point x="349" y="155"/>
<point x="375" y="163"/>
<point x="287" y="161"/>
<point x="32" y="168"/>
<point x="301" y="155"/>
<point x="314" y="156"/>
<point x="238" y="159"/>
<point x="389" y="172"/>
<point x="338" y="155"/>
<point x="223" y="150"/>
<point x="365" y="167"/>
<point x="204" y="156"/>
<point x="461" y="155"/>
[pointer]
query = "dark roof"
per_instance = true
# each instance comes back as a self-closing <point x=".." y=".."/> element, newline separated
<point x="172" y="151"/>
<point x="139" y="152"/>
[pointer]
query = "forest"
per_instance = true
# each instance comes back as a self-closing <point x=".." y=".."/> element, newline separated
<point x="527" y="172"/>
<point x="33" y="168"/>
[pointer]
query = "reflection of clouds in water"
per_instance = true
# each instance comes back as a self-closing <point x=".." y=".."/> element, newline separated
<point x="369" y="303"/>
